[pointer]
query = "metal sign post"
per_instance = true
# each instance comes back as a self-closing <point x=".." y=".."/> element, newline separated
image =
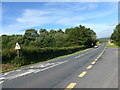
<point x="18" y="52"/>
<point x="92" y="44"/>
<point x="17" y="47"/>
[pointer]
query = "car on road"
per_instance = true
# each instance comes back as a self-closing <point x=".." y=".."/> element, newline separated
<point x="95" y="46"/>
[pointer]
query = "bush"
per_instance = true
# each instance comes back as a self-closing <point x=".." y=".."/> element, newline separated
<point x="6" y="67"/>
<point x="18" y="61"/>
<point x="29" y="55"/>
<point x="7" y="55"/>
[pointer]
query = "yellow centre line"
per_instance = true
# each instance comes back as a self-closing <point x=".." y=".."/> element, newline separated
<point x="100" y="55"/>
<point x="83" y="73"/>
<point x="69" y="87"/>
<point x="89" y="67"/>
<point x="93" y="62"/>
<point x="96" y="59"/>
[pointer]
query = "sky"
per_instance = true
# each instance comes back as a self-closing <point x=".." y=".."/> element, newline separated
<point x="102" y="17"/>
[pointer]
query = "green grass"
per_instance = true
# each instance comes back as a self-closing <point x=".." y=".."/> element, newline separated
<point x="3" y="71"/>
<point x="113" y="46"/>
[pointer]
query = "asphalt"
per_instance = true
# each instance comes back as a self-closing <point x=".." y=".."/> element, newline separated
<point x="60" y="73"/>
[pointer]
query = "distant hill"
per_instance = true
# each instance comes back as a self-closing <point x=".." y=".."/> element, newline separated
<point x="104" y="39"/>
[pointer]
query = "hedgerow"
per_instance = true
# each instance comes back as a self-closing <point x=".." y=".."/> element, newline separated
<point x="30" y="55"/>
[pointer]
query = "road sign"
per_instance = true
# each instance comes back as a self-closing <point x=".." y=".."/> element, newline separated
<point x="17" y="46"/>
<point x="92" y="44"/>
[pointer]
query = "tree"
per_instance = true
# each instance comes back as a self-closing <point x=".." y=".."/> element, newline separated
<point x="31" y="32"/>
<point x="116" y="35"/>
<point x="60" y="31"/>
<point x="81" y="36"/>
<point x="43" y="31"/>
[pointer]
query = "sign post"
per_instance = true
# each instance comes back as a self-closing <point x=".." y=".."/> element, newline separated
<point x="92" y="44"/>
<point x="17" y="47"/>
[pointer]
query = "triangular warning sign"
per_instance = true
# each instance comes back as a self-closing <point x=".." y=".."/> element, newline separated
<point x="17" y="46"/>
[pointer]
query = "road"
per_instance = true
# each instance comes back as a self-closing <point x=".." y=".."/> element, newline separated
<point x="94" y="68"/>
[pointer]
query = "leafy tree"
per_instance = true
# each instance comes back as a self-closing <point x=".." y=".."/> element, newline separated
<point x="60" y="30"/>
<point x="30" y="32"/>
<point x="43" y="31"/>
<point x="76" y="36"/>
<point x="81" y="36"/>
<point x="116" y="35"/>
<point x="43" y="46"/>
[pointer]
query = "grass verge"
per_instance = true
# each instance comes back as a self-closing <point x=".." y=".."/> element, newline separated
<point x="15" y="68"/>
<point x="112" y="46"/>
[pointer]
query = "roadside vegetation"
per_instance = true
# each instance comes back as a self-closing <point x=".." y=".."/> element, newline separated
<point x="116" y="35"/>
<point x="104" y="40"/>
<point x="112" y="45"/>
<point x="47" y="44"/>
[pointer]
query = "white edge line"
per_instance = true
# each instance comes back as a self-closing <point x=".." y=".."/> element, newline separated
<point x="49" y="67"/>
<point x="1" y="82"/>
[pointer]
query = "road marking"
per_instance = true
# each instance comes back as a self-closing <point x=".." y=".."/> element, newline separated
<point x="89" y="67"/>
<point x="35" y="71"/>
<point x="1" y="82"/>
<point x="50" y="67"/>
<point x="83" y="74"/>
<point x="1" y="78"/>
<point x="22" y="74"/>
<point x="82" y="54"/>
<point x="69" y="87"/>
<point x="100" y="54"/>
<point x="77" y="56"/>
<point x="96" y="59"/>
<point x="93" y="62"/>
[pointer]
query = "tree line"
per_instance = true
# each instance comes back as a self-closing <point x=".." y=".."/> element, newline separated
<point x="116" y="35"/>
<point x="79" y="35"/>
<point x="45" y="44"/>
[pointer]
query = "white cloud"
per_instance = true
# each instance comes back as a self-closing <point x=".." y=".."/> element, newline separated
<point x="35" y="17"/>
<point x="102" y="30"/>
<point x="74" y="6"/>
<point x="70" y="20"/>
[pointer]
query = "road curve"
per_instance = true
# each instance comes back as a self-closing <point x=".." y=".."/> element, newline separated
<point x="60" y="73"/>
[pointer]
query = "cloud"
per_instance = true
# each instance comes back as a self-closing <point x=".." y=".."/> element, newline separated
<point x="65" y="10"/>
<point x="105" y="33"/>
<point x="70" y="14"/>
<point x="72" y="6"/>
<point x="32" y="16"/>
<point x="102" y="30"/>
<point x="70" y="20"/>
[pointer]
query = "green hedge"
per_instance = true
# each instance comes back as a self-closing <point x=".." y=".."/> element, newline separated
<point x="29" y="55"/>
<point x="8" y="55"/>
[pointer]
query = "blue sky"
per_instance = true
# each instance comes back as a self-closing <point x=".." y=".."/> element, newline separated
<point x="102" y="17"/>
